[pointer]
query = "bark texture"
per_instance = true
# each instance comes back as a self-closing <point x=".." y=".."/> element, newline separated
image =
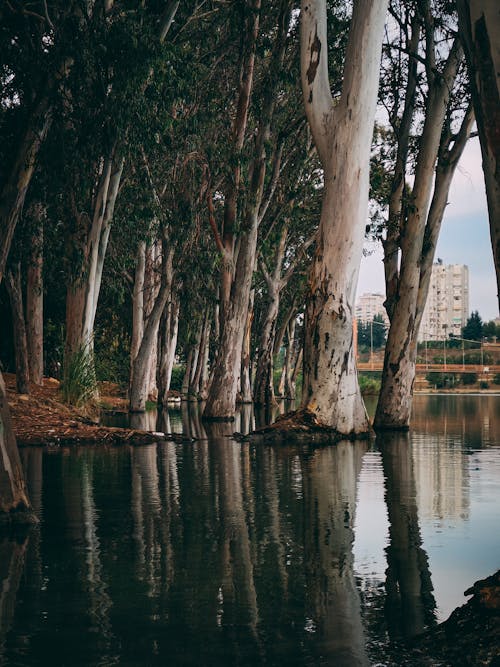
<point x="13" y="494"/>
<point x="479" y="22"/>
<point x="408" y="291"/>
<point x="15" y="290"/>
<point x="342" y="134"/>
<point x="141" y="370"/>
<point x="34" y="302"/>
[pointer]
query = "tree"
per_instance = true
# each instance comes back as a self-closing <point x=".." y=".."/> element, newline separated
<point x="415" y="215"/>
<point x="479" y="24"/>
<point x="239" y="247"/>
<point x="473" y="330"/>
<point x="342" y="131"/>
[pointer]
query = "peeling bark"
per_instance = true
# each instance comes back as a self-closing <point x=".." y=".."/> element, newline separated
<point x="342" y="134"/>
<point x="395" y="399"/>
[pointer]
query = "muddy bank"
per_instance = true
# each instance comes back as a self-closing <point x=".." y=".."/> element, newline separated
<point x="40" y="418"/>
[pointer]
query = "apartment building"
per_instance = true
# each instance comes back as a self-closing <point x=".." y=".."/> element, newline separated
<point x="369" y="305"/>
<point x="447" y="307"/>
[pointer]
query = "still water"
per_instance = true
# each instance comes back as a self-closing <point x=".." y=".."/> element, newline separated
<point x="212" y="552"/>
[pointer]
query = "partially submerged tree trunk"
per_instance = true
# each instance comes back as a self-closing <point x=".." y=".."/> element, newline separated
<point x="342" y="133"/>
<point x="221" y="401"/>
<point x="246" y="380"/>
<point x="34" y="301"/>
<point x="141" y="368"/>
<point x="395" y="399"/>
<point x="479" y="22"/>
<point x="13" y="494"/>
<point x="14" y="287"/>
<point x="169" y="328"/>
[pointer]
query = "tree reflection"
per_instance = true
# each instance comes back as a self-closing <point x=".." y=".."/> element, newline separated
<point x="334" y="616"/>
<point x="12" y="557"/>
<point x="410" y="605"/>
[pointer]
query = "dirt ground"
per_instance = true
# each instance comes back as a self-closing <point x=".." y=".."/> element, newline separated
<point x="41" y="418"/>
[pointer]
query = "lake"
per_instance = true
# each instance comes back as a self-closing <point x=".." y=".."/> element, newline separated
<point x="209" y="551"/>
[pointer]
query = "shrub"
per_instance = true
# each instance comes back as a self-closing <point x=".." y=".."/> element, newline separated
<point x="441" y="380"/>
<point x="369" y="386"/>
<point x="496" y="379"/>
<point x="469" y="378"/>
<point x="483" y="384"/>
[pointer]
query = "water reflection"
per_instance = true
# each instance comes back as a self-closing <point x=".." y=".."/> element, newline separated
<point x="333" y="603"/>
<point x="410" y="604"/>
<point x="12" y="556"/>
<point x="210" y="551"/>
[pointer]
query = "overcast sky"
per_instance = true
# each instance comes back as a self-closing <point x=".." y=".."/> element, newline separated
<point x="464" y="238"/>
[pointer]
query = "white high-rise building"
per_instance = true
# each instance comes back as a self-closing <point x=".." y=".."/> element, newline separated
<point x="369" y="305"/>
<point x="447" y="307"/>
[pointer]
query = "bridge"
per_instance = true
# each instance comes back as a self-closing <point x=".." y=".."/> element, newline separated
<point x="486" y="370"/>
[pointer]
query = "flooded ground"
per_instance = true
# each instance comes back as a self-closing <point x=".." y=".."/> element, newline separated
<point x="213" y="552"/>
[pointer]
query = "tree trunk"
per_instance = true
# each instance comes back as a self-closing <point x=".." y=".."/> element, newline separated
<point x="83" y="289"/>
<point x="395" y="399"/>
<point x="264" y="383"/>
<point x="343" y="134"/>
<point x="13" y="493"/>
<point x="479" y="22"/>
<point x="141" y="368"/>
<point x="167" y="343"/>
<point x="138" y="304"/>
<point x="246" y="381"/>
<point x="15" y="290"/>
<point x="34" y="302"/>
<point x="15" y="189"/>
<point x="221" y="401"/>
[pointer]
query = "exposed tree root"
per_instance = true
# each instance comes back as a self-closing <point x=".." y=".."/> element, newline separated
<point x="300" y="426"/>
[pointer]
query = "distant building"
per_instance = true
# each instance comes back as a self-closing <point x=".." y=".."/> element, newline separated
<point x="447" y="307"/>
<point x="369" y="305"/>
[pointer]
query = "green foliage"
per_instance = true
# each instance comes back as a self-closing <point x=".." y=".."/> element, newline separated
<point x="469" y="378"/>
<point x="441" y="380"/>
<point x="178" y="372"/>
<point x="372" y="333"/>
<point x="369" y="386"/>
<point x="473" y="330"/>
<point x="79" y="385"/>
<point x="496" y="378"/>
<point x="484" y="384"/>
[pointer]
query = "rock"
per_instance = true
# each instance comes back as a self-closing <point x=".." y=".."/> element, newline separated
<point x="470" y="637"/>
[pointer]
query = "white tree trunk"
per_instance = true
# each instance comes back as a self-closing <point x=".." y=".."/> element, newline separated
<point x="343" y="135"/>
<point x="83" y="290"/>
<point x="395" y="399"/>
<point x="140" y="385"/>
<point x="138" y="303"/>
<point x="168" y="345"/>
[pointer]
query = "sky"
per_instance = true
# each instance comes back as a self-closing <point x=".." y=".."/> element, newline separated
<point x="464" y="238"/>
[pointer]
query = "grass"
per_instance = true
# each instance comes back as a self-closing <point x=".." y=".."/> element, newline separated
<point x="79" y="385"/>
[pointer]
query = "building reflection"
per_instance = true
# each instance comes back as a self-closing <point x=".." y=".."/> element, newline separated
<point x="206" y="550"/>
